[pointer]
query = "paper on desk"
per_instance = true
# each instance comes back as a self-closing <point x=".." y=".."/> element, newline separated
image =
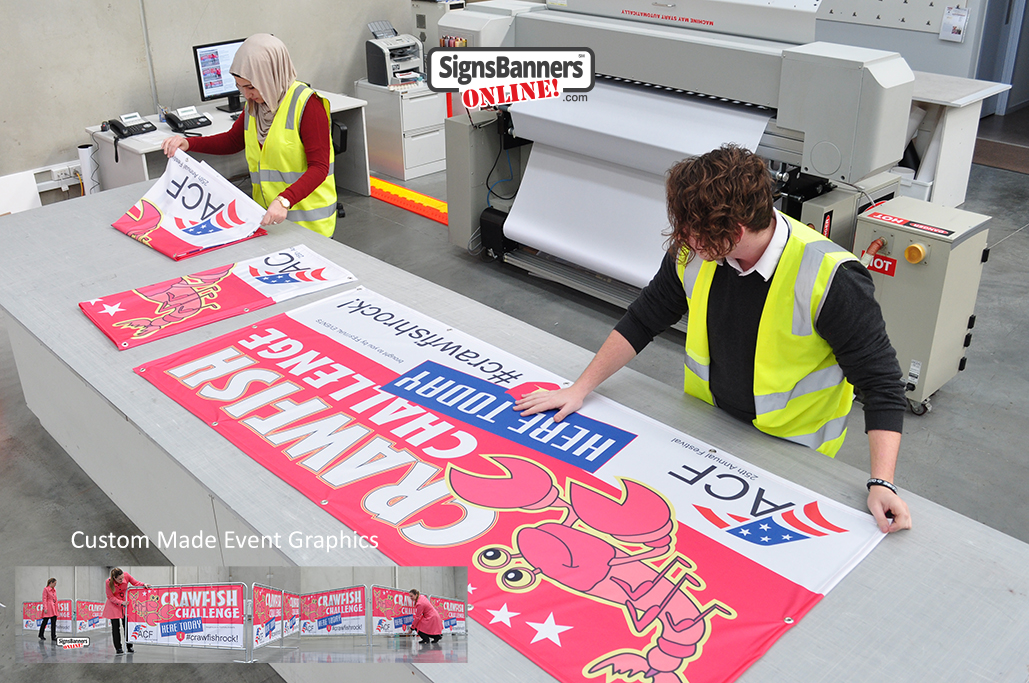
<point x="191" y="209"/>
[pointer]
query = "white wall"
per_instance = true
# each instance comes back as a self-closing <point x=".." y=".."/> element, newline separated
<point x="68" y="64"/>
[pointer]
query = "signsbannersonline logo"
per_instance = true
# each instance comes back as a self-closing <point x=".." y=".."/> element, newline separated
<point x="487" y="77"/>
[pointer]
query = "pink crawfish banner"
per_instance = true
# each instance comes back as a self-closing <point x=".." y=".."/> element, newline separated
<point x="142" y="315"/>
<point x="452" y="613"/>
<point x="291" y="613"/>
<point x="65" y="621"/>
<point x="209" y="615"/>
<point x="392" y="611"/>
<point x="690" y="561"/>
<point x="267" y="614"/>
<point x="191" y="209"/>
<point x="31" y="615"/>
<point x="89" y="616"/>
<point x="337" y="612"/>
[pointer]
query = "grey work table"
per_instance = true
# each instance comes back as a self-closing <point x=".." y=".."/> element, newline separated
<point x="947" y="601"/>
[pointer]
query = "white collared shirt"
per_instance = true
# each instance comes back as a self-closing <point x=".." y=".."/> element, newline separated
<point x="766" y="265"/>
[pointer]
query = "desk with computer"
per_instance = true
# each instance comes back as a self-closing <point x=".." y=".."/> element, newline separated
<point x="129" y="146"/>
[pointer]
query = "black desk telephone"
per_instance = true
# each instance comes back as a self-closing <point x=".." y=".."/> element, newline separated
<point x="129" y="125"/>
<point x="186" y="119"/>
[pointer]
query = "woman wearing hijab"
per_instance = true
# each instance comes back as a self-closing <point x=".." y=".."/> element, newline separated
<point x="117" y="587"/>
<point x="49" y="609"/>
<point x="426" y="620"/>
<point x="285" y="132"/>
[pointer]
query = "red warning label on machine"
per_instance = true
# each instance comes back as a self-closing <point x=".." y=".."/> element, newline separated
<point x="882" y="264"/>
<point x="895" y="220"/>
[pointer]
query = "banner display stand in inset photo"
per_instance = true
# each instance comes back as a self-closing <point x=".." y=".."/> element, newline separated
<point x="336" y="612"/>
<point x="452" y="611"/>
<point x="31" y="615"/>
<point x="89" y="616"/>
<point x="275" y="615"/>
<point x="206" y="615"/>
<point x="392" y="611"/>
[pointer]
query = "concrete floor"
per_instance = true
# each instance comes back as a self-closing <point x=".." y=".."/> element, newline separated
<point x="29" y="649"/>
<point x="968" y="454"/>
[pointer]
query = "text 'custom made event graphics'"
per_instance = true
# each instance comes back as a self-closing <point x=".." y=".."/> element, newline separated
<point x="191" y="209"/>
<point x="689" y="561"/>
<point x="268" y="605"/>
<point x="452" y="613"/>
<point x="291" y="613"/>
<point x="89" y="616"/>
<point x="338" y="612"/>
<point x="209" y="615"/>
<point x="142" y="315"/>
<point x="392" y="611"/>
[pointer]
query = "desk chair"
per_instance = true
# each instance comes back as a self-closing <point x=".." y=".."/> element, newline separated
<point x="338" y="132"/>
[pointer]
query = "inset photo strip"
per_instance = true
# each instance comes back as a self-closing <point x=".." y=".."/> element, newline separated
<point x="221" y="615"/>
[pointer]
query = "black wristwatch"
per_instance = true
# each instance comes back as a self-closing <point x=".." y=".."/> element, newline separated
<point x="880" y="482"/>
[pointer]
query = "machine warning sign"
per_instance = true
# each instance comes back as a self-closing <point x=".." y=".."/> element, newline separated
<point x="882" y="264"/>
<point x="910" y="224"/>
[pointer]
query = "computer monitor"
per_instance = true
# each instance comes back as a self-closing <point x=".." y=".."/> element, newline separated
<point x="213" y="62"/>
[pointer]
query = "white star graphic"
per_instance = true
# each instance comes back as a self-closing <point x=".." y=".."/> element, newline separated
<point x="471" y="588"/>
<point x="111" y="310"/>
<point x="764" y="527"/>
<point x="765" y="539"/>
<point x="502" y="615"/>
<point x="93" y="301"/>
<point x="744" y="532"/>
<point x="786" y="537"/>
<point x="549" y="630"/>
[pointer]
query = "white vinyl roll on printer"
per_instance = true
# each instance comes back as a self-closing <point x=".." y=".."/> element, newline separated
<point x="593" y="189"/>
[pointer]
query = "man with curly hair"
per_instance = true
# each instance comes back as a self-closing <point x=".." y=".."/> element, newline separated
<point x="783" y="324"/>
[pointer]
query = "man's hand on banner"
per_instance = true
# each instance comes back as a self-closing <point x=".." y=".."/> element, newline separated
<point x="890" y="511"/>
<point x="173" y="143"/>
<point x="275" y="215"/>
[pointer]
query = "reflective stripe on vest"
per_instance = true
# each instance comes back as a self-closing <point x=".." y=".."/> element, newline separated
<point x="800" y="393"/>
<point x="282" y="160"/>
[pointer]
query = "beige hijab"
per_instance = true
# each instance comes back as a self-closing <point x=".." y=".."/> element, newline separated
<point x="264" y="60"/>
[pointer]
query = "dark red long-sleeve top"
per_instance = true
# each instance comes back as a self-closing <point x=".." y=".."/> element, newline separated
<point x="314" y="133"/>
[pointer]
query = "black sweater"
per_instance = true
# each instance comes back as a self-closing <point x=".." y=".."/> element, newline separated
<point x="850" y="321"/>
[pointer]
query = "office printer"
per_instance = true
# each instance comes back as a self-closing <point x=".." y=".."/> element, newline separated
<point x="392" y="55"/>
<point x="590" y="189"/>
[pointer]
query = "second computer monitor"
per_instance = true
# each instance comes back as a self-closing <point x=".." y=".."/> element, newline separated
<point x="212" y="63"/>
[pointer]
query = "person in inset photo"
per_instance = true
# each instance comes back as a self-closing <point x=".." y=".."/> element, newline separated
<point x="117" y="587"/>
<point x="49" y="609"/>
<point x="427" y="622"/>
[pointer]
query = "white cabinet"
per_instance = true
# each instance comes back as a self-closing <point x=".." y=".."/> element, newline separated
<point x="405" y="130"/>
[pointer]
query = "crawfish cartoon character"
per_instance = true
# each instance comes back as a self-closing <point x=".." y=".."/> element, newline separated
<point x="150" y="609"/>
<point x="583" y="553"/>
<point x="179" y="301"/>
<point x="139" y="221"/>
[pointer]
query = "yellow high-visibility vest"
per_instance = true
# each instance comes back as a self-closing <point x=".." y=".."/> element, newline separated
<point x="800" y="393"/>
<point x="282" y="161"/>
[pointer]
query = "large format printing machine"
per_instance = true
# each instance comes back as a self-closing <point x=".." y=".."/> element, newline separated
<point x="584" y="203"/>
<point x="588" y="194"/>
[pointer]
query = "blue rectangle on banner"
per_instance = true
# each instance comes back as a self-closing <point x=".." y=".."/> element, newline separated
<point x="405" y="620"/>
<point x="269" y="627"/>
<point x="170" y="628"/>
<point x="330" y="620"/>
<point x="577" y="440"/>
<point x="450" y="623"/>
